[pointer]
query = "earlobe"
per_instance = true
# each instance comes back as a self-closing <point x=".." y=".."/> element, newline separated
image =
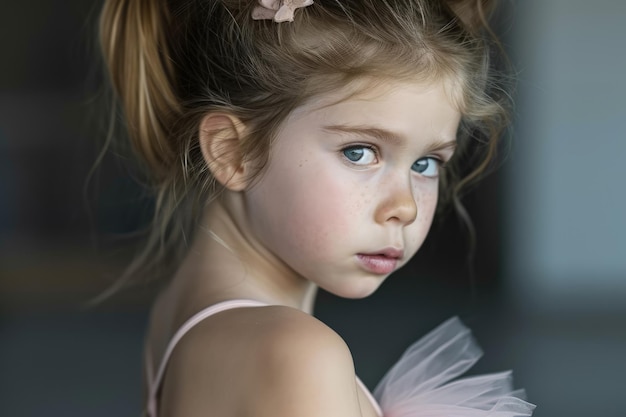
<point x="220" y="141"/>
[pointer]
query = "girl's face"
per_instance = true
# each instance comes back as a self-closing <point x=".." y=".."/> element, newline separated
<point x="351" y="186"/>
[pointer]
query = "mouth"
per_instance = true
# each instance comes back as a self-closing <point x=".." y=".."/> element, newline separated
<point x="381" y="262"/>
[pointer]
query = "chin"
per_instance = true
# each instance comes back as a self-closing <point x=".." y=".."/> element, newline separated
<point x="356" y="290"/>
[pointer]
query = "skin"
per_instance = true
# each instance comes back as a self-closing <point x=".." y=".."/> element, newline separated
<point x="346" y="177"/>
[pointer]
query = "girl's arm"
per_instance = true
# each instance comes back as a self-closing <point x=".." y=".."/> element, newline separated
<point x="266" y="362"/>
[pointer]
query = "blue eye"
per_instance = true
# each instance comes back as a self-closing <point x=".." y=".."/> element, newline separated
<point x="360" y="155"/>
<point x="427" y="167"/>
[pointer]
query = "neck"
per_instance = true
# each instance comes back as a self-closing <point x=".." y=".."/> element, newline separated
<point x="226" y="261"/>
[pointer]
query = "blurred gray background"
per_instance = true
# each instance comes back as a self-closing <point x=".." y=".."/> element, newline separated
<point x="550" y="271"/>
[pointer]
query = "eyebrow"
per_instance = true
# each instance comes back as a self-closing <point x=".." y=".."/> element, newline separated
<point x="388" y="136"/>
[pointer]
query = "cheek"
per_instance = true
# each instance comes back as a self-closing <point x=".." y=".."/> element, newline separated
<point x="429" y="205"/>
<point x="322" y="210"/>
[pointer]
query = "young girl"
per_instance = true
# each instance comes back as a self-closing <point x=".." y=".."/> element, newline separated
<point x="296" y="145"/>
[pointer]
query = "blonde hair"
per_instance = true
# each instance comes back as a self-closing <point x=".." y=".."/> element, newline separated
<point x="171" y="62"/>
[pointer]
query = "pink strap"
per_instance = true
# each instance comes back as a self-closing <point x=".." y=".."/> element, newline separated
<point x="189" y="324"/>
<point x="370" y="397"/>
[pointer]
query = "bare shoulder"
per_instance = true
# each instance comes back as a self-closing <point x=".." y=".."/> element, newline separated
<point x="262" y="361"/>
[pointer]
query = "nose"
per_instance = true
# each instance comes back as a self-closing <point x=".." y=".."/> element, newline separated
<point x="399" y="205"/>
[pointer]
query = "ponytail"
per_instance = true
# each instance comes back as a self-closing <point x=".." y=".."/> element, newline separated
<point x="136" y="55"/>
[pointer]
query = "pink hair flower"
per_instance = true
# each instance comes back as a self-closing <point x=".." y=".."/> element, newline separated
<point x="278" y="10"/>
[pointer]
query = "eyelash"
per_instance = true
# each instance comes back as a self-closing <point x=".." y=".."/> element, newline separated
<point x="439" y="166"/>
<point x="369" y="147"/>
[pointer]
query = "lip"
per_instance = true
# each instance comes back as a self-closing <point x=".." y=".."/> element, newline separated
<point x="381" y="262"/>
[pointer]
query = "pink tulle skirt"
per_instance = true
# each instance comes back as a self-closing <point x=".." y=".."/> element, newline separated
<point x="418" y="385"/>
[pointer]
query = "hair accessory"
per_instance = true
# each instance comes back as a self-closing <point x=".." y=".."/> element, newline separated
<point x="278" y="10"/>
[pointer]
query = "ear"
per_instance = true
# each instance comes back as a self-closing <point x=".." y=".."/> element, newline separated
<point x="220" y="139"/>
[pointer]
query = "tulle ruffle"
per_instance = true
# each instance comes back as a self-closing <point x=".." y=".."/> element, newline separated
<point x="418" y="385"/>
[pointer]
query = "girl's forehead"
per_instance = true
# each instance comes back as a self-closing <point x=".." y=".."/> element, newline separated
<point x="405" y="109"/>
